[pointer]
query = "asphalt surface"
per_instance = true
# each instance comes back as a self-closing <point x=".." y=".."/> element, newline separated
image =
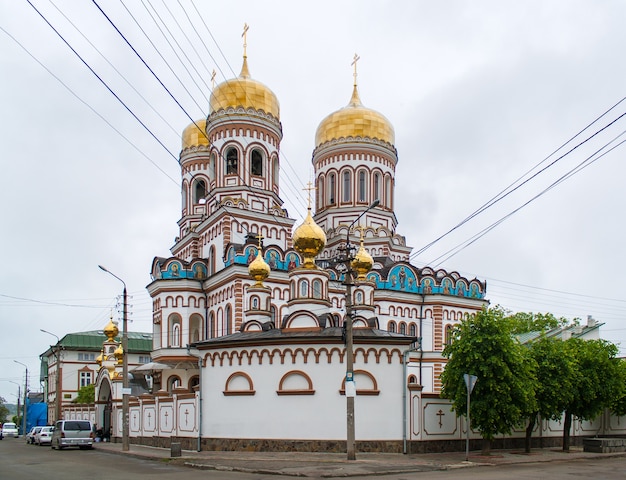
<point x="330" y="465"/>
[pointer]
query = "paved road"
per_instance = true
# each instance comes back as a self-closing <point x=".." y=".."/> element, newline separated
<point x="20" y="461"/>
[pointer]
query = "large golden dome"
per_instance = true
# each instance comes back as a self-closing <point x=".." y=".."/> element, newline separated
<point x="194" y="134"/>
<point x="244" y="92"/>
<point x="111" y="330"/>
<point x="355" y="120"/>
<point x="309" y="240"/>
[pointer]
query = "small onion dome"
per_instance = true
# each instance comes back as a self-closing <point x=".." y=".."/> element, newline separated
<point x="258" y="269"/>
<point x="244" y="92"/>
<point x="194" y="134"/>
<point x="362" y="263"/>
<point x="119" y="354"/>
<point x="111" y="330"/>
<point x="309" y="240"/>
<point x="355" y="120"/>
<point x="99" y="359"/>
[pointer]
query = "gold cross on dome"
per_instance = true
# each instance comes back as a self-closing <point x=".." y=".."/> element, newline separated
<point x="213" y="74"/>
<point x="260" y="237"/>
<point x="356" y="59"/>
<point x="362" y="229"/>
<point x="245" y="37"/>
<point x="310" y="188"/>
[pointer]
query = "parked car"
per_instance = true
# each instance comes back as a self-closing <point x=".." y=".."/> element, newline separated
<point x="9" y="429"/>
<point x="72" y="433"/>
<point x="30" y="436"/>
<point x="44" y="436"/>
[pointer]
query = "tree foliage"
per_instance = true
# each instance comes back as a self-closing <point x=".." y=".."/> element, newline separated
<point x="523" y="322"/>
<point x="4" y="411"/>
<point x="504" y="396"/>
<point x="596" y="381"/>
<point x="86" y="394"/>
<point x="618" y="406"/>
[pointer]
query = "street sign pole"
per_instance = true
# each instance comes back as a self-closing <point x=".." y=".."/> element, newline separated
<point x="470" y="381"/>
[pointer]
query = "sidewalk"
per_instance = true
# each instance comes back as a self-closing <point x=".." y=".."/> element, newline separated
<point x="329" y="465"/>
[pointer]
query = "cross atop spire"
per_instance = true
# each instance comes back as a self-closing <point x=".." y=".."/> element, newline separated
<point x="354" y="61"/>
<point x="309" y="188"/>
<point x="245" y="38"/>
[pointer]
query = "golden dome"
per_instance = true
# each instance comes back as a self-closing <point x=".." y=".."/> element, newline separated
<point x="362" y="263"/>
<point x="99" y="359"/>
<point x="244" y="92"/>
<point x="259" y="269"/>
<point x="309" y="240"/>
<point x="355" y="120"/>
<point x="119" y="354"/>
<point x="194" y="134"/>
<point x="111" y="330"/>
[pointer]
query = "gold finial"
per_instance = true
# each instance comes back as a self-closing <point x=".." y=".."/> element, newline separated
<point x="213" y="74"/>
<point x="362" y="234"/>
<point x="260" y="237"/>
<point x="356" y="59"/>
<point x="245" y="38"/>
<point x="310" y="188"/>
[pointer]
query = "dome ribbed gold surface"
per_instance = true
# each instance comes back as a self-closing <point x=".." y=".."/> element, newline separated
<point x="258" y="269"/>
<point x="244" y="92"/>
<point x="309" y="240"/>
<point x="111" y="330"/>
<point x="362" y="263"/>
<point x="195" y="134"/>
<point x="119" y="354"/>
<point x="355" y="120"/>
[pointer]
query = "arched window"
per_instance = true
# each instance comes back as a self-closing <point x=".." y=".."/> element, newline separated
<point x="232" y="160"/>
<point x="273" y="314"/>
<point x="377" y="186"/>
<point x="413" y="330"/>
<point x="212" y="325"/>
<point x="256" y="162"/>
<point x="211" y="260"/>
<point x="331" y="189"/>
<point x="176" y="335"/>
<point x="254" y="303"/>
<point x="304" y="288"/>
<point x="448" y="337"/>
<point x="212" y="168"/>
<point x="185" y="192"/>
<point x="172" y="383"/>
<point x="346" y="186"/>
<point x="275" y="172"/>
<point x="388" y="192"/>
<point x="317" y="288"/>
<point x="229" y="320"/>
<point x="362" y="186"/>
<point x="403" y="328"/>
<point x="194" y="328"/>
<point x="320" y="193"/>
<point x="391" y="327"/>
<point x="199" y="191"/>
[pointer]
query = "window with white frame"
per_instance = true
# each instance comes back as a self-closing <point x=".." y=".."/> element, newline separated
<point x="86" y="378"/>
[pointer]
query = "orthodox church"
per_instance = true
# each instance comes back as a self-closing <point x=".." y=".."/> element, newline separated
<point x="252" y="317"/>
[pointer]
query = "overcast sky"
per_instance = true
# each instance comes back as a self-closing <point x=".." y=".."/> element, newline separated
<point x="479" y="93"/>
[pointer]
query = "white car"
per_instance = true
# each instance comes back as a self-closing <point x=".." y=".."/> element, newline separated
<point x="30" y="436"/>
<point x="44" y="437"/>
<point x="9" y="429"/>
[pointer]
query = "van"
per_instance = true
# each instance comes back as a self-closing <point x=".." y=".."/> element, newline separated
<point x="9" y="429"/>
<point x="72" y="433"/>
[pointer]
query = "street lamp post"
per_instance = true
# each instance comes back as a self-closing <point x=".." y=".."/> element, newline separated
<point x="25" y="394"/>
<point x="350" y="388"/>
<point x="58" y="398"/>
<point x="125" y="441"/>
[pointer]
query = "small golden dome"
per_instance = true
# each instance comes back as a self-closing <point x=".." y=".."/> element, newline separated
<point x="119" y="354"/>
<point x="362" y="263"/>
<point x="258" y="269"/>
<point x="111" y="330"/>
<point x="355" y="120"/>
<point x="309" y="240"/>
<point x="194" y="134"/>
<point x="99" y="359"/>
<point x="244" y="92"/>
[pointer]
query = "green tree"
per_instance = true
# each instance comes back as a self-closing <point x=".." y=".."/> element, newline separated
<point x="86" y="394"/>
<point x="596" y="381"/>
<point x="618" y="406"/>
<point x="554" y="370"/>
<point x="4" y="411"/>
<point x="483" y="345"/>
<point x="524" y="322"/>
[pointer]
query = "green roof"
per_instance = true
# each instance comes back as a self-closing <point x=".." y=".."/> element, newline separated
<point x="93" y="340"/>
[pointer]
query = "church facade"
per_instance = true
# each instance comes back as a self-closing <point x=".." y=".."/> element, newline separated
<point x="250" y="313"/>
